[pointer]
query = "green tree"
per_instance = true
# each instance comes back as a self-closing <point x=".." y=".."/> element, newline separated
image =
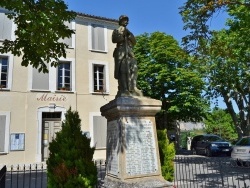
<point x="40" y="25"/>
<point x="219" y="122"/>
<point x="70" y="162"/>
<point x="165" y="73"/>
<point x="167" y="154"/>
<point x="198" y="14"/>
<point x="223" y="55"/>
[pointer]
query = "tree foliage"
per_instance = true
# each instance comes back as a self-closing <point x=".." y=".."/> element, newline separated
<point x="219" y="122"/>
<point x="165" y="73"/>
<point x="70" y="162"/>
<point x="223" y="55"/>
<point x="197" y="16"/>
<point x="40" y="25"/>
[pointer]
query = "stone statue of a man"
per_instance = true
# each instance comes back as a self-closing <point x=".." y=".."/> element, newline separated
<point x="125" y="63"/>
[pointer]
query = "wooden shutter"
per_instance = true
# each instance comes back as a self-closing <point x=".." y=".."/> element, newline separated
<point x="100" y="131"/>
<point x="2" y="132"/>
<point x="5" y="27"/>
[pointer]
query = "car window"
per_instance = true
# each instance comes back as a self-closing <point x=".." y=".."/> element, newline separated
<point x="198" y="138"/>
<point x="213" y="138"/>
<point x="243" y="142"/>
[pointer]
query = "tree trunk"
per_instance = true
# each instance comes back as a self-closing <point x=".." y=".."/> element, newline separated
<point x="233" y="114"/>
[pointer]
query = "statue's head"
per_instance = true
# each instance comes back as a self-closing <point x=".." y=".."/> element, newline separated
<point x="123" y="17"/>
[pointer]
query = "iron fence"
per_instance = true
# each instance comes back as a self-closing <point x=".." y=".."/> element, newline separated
<point x="26" y="176"/>
<point x="35" y="175"/>
<point x="192" y="172"/>
<point x="2" y="176"/>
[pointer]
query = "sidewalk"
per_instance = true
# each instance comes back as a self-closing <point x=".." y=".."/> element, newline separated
<point x="183" y="152"/>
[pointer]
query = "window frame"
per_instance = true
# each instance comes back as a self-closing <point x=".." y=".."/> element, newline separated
<point x="92" y="64"/>
<point x="53" y="72"/>
<point x="64" y="76"/>
<point x="99" y="78"/>
<point x="9" y="71"/>
<point x="7" y="132"/>
<point x="90" y="26"/>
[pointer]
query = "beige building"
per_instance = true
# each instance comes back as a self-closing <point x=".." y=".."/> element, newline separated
<point x="33" y="105"/>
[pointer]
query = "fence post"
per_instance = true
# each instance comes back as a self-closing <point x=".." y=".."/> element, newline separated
<point x="2" y="176"/>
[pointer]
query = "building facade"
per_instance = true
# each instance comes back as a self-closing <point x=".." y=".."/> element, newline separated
<point x="33" y="104"/>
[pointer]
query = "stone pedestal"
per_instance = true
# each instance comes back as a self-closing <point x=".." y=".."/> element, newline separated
<point x="132" y="147"/>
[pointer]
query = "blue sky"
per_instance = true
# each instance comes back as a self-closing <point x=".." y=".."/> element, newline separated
<point x="145" y="16"/>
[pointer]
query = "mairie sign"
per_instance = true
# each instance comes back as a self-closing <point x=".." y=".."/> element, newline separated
<point x="51" y="97"/>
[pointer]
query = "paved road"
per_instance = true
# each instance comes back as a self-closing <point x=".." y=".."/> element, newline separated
<point x="193" y="171"/>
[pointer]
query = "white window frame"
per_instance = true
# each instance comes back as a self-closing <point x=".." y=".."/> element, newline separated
<point x="53" y="77"/>
<point x="90" y="37"/>
<point x="92" y="63"/>
<point x="63" y="74"/>
<point x="10" y="70"/>
<point x="7" y="132"/>
<point x="97" y="76"/>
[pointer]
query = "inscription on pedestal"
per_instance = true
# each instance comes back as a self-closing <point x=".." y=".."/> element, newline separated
<point x="113" y="131"/>
<point x="140" y="150"/>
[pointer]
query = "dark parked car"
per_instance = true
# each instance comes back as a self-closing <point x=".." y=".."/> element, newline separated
<point x="210" y="145"/>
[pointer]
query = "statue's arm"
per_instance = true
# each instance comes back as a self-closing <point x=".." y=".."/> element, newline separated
<point x="131" y="38"/>
<point x="117" y="36"/>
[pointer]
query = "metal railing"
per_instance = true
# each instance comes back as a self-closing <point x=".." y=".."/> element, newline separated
<point x="26" y="176"/>
<point x="192" y="172"/>
<point x="2" y="176"/>
<point x="35" y="175"/>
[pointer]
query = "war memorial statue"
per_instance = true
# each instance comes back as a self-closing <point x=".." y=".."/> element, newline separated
<point x="132" y="153"/>
<point x="125" y="62"/>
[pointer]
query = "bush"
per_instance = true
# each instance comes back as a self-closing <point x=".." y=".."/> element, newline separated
<point x="167" y="154"/>
<point x="70" y="163"/>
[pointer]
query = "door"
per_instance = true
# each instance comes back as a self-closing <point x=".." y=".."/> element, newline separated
<point x="49" y="130"/>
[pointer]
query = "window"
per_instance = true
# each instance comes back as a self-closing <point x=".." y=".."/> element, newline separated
<point x="98" y="38"/>
<point x="4" y="67"/>
<point x="60" y="78"/>
<point x="69" y="41"/>
<point x="99" y="80"/>
<point x="99" y="131"/>
<point x="64" y="76"/>
<point x="5" y="27"/>
<point x="4" y="131"/>
<point x="40" y="80"/>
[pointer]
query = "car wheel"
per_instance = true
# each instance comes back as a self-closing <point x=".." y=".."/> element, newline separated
<point x="208" y="152"/>
<point x="239" y="163"/>
<point x="246" y="164"/>
<point x="194" y="151"/>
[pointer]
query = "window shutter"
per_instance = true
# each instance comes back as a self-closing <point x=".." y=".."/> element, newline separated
<point x="100" y="131"/>
<point x="5" y="27"/>
<point x="98" y="42"/>
<point x="40" y="80"/>
<point x="2" y="132"/>
<point x="67" y="41"/>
